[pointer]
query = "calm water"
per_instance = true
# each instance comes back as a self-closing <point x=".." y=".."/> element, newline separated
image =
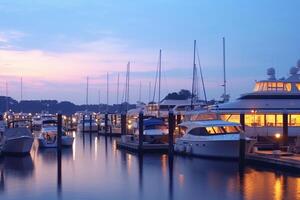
<point x="95" y="169"/>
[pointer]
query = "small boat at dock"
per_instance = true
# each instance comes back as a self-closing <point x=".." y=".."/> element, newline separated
<point x="16" y="141"/>
<point x="48" y="137"/>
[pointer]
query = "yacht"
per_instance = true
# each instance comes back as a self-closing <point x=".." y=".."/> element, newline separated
<point x="211" y="138"/>
<point x="16" y="140"/>
<point x="48" y="137"/>
<point x="265" y="107"/>
<point x="155" y="130"/>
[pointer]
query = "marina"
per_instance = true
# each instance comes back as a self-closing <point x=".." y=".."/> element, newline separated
<point x="144" y="100"/>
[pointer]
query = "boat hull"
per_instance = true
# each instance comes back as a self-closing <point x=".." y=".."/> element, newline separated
<point x="43" y="143"/>
<point x="67" y="141"/>
<point x="19" y="145"/>
<point x="216" y="148"/>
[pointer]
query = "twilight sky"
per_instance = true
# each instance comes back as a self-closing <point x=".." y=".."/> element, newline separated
<point x="55" y="44"/>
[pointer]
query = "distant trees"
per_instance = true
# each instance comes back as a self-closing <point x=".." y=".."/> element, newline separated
<point x="181" y="95"/>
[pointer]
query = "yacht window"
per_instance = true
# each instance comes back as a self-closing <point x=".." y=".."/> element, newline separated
<point x="287" y="87"/>
<point x="279" y="86"/>
<point x="298" y="86"/>
<point x="215" y="130"/>
<point x="231" y="118"/>
<point x="294" y="120"/>
<point x="270" y="120"/>
<point x="231" y="129"/>
<point x="199" y="131"/>
<point x="218" y="130"/>
<point x="265" y="87"/>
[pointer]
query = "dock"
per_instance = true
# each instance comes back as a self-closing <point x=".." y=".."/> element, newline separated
<point x="147" y="148"/>
<point x="282" y="160"/>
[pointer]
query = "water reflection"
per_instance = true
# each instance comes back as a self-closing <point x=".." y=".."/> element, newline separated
<point x="108" y="173"/>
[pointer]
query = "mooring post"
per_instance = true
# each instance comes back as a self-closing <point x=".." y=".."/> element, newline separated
<point x="115" y="116"/>
<point x="31" y="128"/>
<point x="83" y="122"/>
<point x="242" y="121"/>
<point x="285" y="131"/>
<point x="111" y="124"/>
<point x="171" y="121"/>
<point x="90" y="123"/>
<point x="178" y="121"/>
<point x="123" y="124"/>
<point x="242" y="145"/>
<point x="59" y="132"/>
<point x="141" y="130"/>
<point x="106" y="123"/>
<point x="98" y="123"/>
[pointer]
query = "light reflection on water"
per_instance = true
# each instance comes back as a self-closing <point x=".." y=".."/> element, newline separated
<point x="100" y="171"/>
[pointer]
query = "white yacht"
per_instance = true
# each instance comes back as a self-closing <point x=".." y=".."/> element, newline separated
<point x="48" y="137"/>
<point x="211" y="138"/>
<point x="16" y="141"/>
<point x="265" y="107"/>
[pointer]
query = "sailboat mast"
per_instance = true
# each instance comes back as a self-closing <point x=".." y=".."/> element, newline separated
<point x="194" y="71"/>
<point x="159" y="82"/>
<point x="149" y="97"/>
<point x="224" y="71"/>
<point x="107" y="97"/>
<point x="99" y="100"/>
<point x="21" y="98"/>
<point x="140" y="92"/>
<point x="6" y="93"/>
<point x="87" y="93"/>
<point x="118" y="85"/>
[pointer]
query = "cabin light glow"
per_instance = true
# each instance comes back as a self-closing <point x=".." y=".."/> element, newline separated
<point x="277" y="135"/>
<point x="129" y="126"/>
<point x="74" y="119"/>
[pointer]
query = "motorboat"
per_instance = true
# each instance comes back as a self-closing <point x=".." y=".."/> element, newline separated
<point x="48" y="137"/>
<point x="16" y="140"/>
<point x="155" y="130"/>
<point x="210" y="138"/>
<point x="38" y="120"/>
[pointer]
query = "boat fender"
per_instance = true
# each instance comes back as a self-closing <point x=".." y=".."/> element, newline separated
<point x="188" y="149"/>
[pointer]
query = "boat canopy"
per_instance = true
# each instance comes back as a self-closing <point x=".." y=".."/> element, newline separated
<point x="153" y="122"/>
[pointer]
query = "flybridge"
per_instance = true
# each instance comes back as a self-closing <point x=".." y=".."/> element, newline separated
<point x="277" y="86"/>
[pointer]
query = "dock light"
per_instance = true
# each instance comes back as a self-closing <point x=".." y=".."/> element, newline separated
<point x="74" y="119"/>
<point x="129" y="121"/>
<point x="129" y="126"/>
<point x="277" y="135"/>
<point x="64" y="117"/>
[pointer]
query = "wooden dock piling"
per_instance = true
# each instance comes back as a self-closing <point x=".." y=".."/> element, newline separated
<point x="91" y="124"/>
<point x="171" y="120"/>
<point x="123" y="124"/>
<point x="59" y="132"/>
<point x="105" y="124"/>
<point x="141" y="130"/>
<point x="83" y="120"/>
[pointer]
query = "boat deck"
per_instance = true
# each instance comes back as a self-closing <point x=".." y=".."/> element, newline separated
<point x="147" y="148"/>
<point x="280" y="159"/>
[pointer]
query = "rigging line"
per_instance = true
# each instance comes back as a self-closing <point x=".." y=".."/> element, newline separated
<point x="201" y="74"/>
<point x="155" y="83"/>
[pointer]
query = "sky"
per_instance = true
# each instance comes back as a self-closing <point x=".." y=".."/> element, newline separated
<point x="54" y="45"/>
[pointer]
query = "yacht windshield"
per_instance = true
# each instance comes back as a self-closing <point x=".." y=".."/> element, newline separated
<point x="232" y="129"/>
